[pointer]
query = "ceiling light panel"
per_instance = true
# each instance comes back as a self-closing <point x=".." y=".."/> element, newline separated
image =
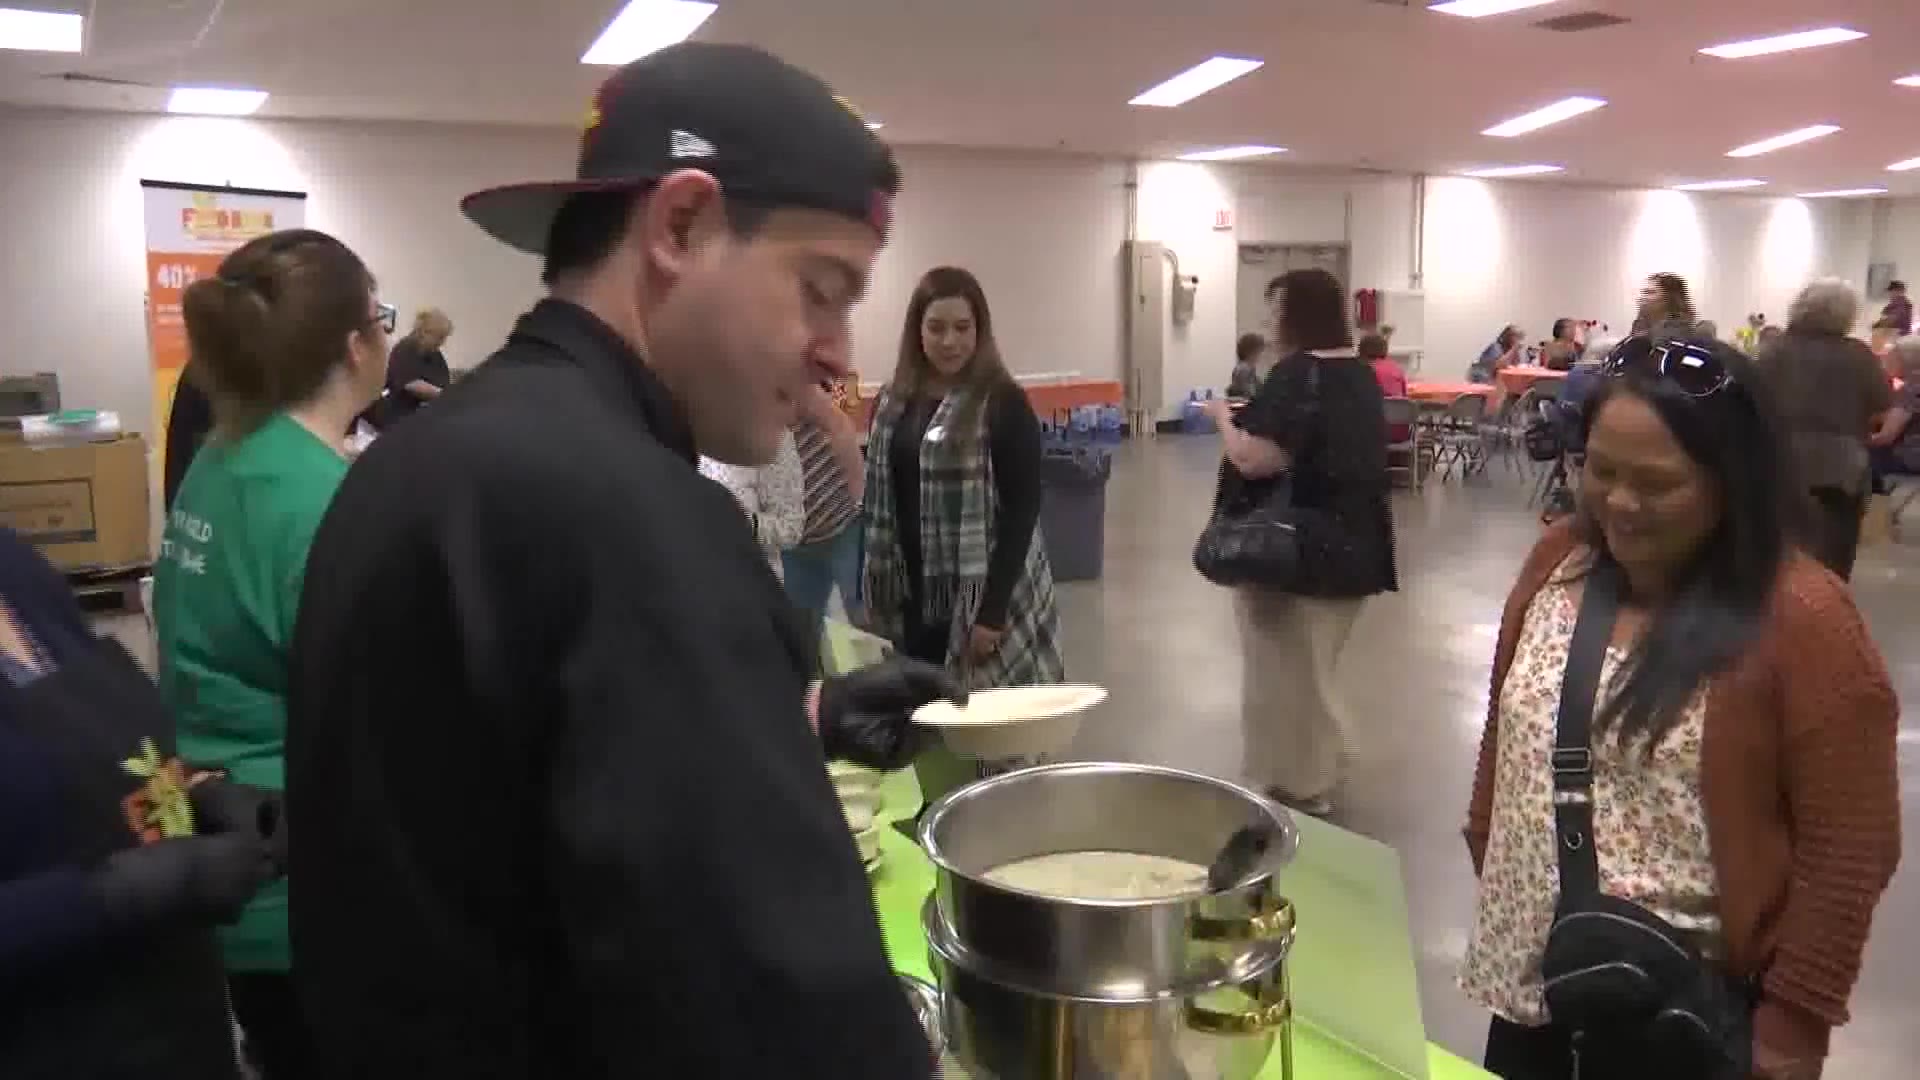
<point x="215" y="101"/>
<point x="1779" y="43"/>
<point x="1552" y="114"/>
<point x="1233" y="153"/>
<point x="1908" y="165"/>
<point x="1210" y="74"/>
<point x="1843" y="193"/>
<point x="1907" y="80"/>
<point x="1783" y="140"/>
<point x="1498" y="171"/>
<point x="1719" y="185"/>
<point x="1475" y="9"/>
<point x="646" y="26"/>
<point x="41" y="31"/>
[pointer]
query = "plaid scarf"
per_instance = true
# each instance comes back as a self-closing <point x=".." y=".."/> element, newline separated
<point x="957" y="509"/>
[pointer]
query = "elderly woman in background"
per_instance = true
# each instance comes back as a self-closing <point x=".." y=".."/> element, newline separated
<point x="1505" y="351"/>
<point x="1894" y="446"/>
<point x="1666" y="308"/>
<point x="416" y="369"/>
<point x="1831" y="393"/>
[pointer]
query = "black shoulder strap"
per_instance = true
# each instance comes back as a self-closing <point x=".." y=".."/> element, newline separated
<point x="1573" y="737"/>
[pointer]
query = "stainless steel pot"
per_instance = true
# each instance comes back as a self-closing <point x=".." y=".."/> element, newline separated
<point x="1116" y="950"/>
<point x="997" y="1029"/>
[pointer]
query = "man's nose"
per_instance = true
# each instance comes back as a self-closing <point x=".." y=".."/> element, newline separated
<point x="834" y="355"/>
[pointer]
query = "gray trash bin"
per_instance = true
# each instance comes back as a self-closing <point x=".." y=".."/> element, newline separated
<point x="1073" y="510"/>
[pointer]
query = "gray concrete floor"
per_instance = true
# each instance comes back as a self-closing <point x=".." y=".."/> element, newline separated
<point x="1416" y="678"/>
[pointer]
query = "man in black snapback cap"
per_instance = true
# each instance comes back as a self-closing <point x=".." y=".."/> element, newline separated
<point x="561" y="811"/>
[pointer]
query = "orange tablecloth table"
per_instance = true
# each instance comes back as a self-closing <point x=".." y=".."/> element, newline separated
<point x="1516" y="379"/>
<point x="1049" y="401"/>
<point x="1443" y="393"/>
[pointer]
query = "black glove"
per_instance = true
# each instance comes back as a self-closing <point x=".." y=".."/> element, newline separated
<point x="866" y="716"/>
<point x="197" y="880"/>
<point x="223" y="806"/>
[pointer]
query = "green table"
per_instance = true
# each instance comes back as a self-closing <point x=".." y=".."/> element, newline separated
<point x="905" y="877"/>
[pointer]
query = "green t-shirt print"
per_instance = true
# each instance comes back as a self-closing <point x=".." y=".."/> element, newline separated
<point x="226" y="590"/>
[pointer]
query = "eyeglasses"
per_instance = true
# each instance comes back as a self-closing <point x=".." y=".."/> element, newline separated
<point x="1693" y="369"/>
<point x="387" y="316"/>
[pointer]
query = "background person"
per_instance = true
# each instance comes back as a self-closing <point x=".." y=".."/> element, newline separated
<point x="1831" y="391"/>
<point x="833" y="481"/>
<point x="1318" y="420"/>
<point x="1897" y="315"/>
<point x="1562" y="349"/>
<point x="1506" y="350"/>
<point x="1744" y="780"/>
<point x="108" y="963"/>
<point x="1391" y="377"/>
<point x="956" y="574"/>
<point x="189" y="422"/>
<point x="1665" y="308"/>
<point x="619" y="696"/>
<point x="1894" y="446"/>
<point x="417" y="369"/>
<point x="1249" y="364"/>
<point x="292" y="343"/>
<point x="770" y="496"/>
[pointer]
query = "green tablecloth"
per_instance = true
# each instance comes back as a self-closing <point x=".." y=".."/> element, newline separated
<point x="905" y="877"/>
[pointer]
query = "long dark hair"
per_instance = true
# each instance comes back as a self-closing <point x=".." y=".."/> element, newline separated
<point x="985" y="374"/>
<point x="1676" y="301"/>
<point x="1723" y="591"/>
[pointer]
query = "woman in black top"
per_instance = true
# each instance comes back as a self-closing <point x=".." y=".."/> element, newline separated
<point x="954" y="570"/>
<point x="1317" y="425"/>
<point x="116" y="861"/>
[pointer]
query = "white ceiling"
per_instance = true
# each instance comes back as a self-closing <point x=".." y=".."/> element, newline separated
<point x="1372" y="83"/>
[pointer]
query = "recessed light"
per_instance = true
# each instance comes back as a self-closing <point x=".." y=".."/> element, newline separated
<point x="1908" y="165"/>
<point x="1232" y="153"/>
<point x="1565" y="109"/>
<point x="1779" y="43"/>
<point x="41" y="31"/>
<point x="1843" y="193"/>
<point x="1474" y="9"/>
<point x="646" y="26"/>
<point x="1907" y="80"/>
<point x="874" y="125"/>
<point x="1498" y="171"/>
<point x="1207" y="75"/>
<point x="1783" y="140"/>
<point x="1719" y="185"/>
<point x="215" y="101"/>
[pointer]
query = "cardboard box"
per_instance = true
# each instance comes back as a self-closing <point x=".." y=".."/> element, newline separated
<point x="83" y="505"/>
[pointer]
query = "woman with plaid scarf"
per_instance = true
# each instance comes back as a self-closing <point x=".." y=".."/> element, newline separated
<point x="955" y="573"/>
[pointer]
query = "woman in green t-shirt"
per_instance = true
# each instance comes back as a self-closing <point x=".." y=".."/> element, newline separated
<point x="291" y="343"/>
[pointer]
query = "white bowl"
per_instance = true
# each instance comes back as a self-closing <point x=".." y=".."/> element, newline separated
<point x="1017" y="721"/>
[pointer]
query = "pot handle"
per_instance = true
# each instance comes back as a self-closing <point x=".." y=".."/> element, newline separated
<point x="1272" y="1008"/>
<point x="1272" y="923"/>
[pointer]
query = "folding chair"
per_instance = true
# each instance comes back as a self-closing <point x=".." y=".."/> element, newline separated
<point x="1402" y="412"/>
<point x="1461" y="440"/>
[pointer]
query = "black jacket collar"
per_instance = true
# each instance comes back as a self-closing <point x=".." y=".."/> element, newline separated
<point x="607" y="358"/>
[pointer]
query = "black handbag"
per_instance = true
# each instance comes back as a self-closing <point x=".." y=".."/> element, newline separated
<point x="1616" y="975"/>
<point x="1252" y="544"/>
<point x="1256" y="540"/>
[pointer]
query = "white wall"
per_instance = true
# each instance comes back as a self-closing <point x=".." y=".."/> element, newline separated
<point x="1526" y="253"/>
<point x="1898" y="242"/>
<point x="1044" y="233"/>
<point x="71" y="288"/>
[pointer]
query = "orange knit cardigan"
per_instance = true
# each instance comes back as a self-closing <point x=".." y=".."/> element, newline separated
<point x="1798" y="777"/>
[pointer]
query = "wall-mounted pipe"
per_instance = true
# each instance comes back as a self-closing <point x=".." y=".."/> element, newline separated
<point x="1417" y="233"/>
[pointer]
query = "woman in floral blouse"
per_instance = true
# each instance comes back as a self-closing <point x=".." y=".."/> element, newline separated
<point x="1744" y="777"/>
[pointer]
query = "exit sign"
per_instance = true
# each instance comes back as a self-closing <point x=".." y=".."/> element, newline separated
<point x="1223" y="218"/>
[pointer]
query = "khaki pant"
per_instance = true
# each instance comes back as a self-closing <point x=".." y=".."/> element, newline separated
<point x="1291" y="714"/>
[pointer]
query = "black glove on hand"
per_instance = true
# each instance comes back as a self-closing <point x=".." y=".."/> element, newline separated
<point x="866" y="716"/>
<point x="223" y="806"/>
<point x="190" y="879"/>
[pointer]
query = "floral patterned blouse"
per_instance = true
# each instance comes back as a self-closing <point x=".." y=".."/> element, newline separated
<point x="1650" y="828"/>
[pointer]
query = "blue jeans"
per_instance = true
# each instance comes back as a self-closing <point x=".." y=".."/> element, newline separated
<point x="813" y="570"/>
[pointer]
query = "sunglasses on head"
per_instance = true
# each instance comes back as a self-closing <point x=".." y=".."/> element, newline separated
<point x="1693" y="369"/>
<point x="387" y="316"/>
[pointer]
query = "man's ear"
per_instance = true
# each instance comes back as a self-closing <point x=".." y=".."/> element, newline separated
<point x="677" y="217"/>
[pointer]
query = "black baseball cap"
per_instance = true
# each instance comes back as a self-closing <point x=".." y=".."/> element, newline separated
<point x="771" y="134"/>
